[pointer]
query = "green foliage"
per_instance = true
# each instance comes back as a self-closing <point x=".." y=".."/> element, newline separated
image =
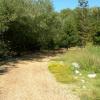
<point x="70" y="37"/>
<point x="83" y="22"/>
<point x="95" y="25"/>
<point x="96" y="38"/>
<point x="27" y="29"/>
<point x="33" y="25"/>
<point x="29" y="25"/>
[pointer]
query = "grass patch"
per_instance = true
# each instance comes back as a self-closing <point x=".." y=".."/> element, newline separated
<point x="88" y="59"/>
<point x="91" y="90"/>
<point x="62" y="72"/>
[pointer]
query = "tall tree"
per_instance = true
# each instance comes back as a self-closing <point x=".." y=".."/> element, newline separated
<point x="96" y="25"/>
<point x="69" y="36"/>
<point x="83" y="25"/>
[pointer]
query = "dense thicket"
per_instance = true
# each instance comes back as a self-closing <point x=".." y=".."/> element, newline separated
<point x="29" y="25"/>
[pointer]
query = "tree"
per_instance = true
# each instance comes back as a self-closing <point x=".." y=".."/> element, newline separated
<point x="82" y="21"/>
<point x="70" y="36"/>
<point x="96" y="25"/>
<point x="27" y="23"/>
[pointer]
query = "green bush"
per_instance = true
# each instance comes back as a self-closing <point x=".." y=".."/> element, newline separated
<point x="96" y="38"/>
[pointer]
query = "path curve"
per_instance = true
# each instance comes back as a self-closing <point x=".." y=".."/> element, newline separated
<point x="31" y="80"/>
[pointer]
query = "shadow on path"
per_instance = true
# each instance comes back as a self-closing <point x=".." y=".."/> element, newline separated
<point x="39" y="56"/>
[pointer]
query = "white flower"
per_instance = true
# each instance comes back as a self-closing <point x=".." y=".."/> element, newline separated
<point x="76" y="65"/>
<point x="77" y="72"/>
<point x="84" y="87"/>
<point x="83" y="81"/>
<point x="93" y="75"/>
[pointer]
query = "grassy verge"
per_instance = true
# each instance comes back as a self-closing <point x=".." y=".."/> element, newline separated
<point x="87" y="61"/>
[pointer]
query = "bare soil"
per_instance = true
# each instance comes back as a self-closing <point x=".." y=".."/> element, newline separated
<point x="31" y="80"/>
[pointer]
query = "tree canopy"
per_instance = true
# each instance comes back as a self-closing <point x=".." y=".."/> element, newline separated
<point x="29" y="25"/>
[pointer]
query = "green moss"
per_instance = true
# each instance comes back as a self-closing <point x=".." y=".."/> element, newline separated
<point x="62" y="72"/>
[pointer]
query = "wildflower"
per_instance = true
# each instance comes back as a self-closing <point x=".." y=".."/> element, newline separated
<point x="77" y="72"/>
<point x="84" y="87"/>
<point x="83" y="81"/>
<point x="93" y="75"/>
<point x="76" y="65"/>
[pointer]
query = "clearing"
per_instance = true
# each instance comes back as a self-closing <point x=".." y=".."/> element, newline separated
<point x="29" y="79"/>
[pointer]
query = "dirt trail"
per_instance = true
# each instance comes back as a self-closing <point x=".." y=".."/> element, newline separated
<point x="31" y="80"/>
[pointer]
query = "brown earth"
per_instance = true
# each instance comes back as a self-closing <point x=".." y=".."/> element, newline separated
<point x="31" y="80"/>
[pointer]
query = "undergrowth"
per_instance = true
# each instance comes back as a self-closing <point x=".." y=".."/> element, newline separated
<point x="88" y="59"/>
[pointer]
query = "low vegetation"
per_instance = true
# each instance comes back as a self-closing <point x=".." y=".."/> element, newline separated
<point x="84" y="65"/>
<point x="62" y="72"/>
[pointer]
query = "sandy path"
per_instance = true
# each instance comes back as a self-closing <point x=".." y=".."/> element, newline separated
<point x="31" y="80"/>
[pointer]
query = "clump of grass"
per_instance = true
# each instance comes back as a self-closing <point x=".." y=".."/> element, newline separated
<point x="92" y="90"/>
<point x="95" y="50"/>
<point x="89" y="60"/>
<point x="62" y="72"/>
